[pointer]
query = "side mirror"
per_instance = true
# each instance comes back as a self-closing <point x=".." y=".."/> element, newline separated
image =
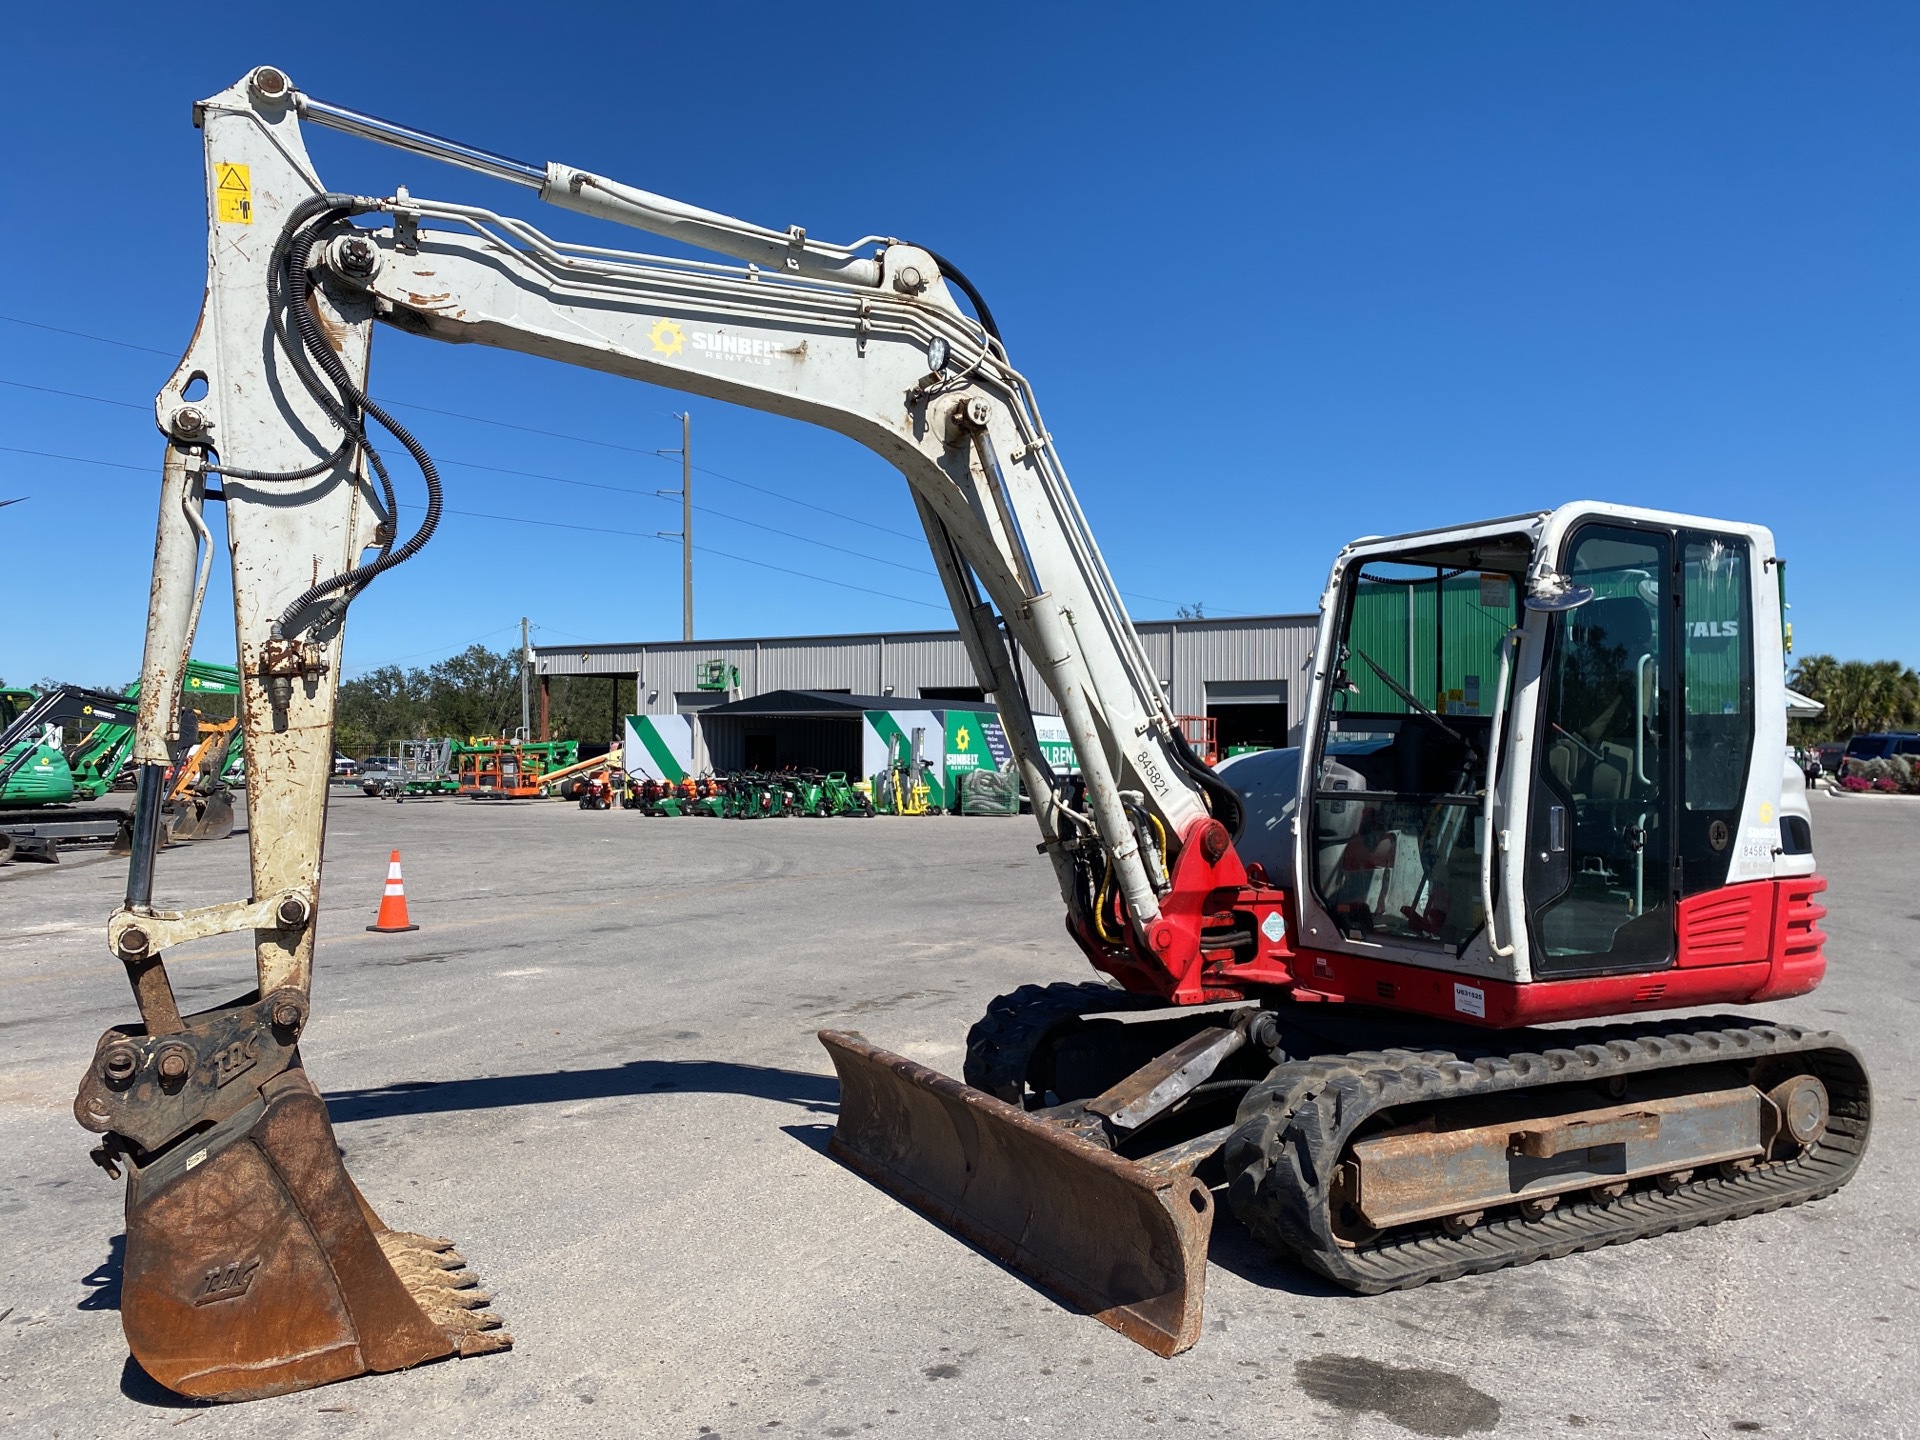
<point x="1553" y="592"/>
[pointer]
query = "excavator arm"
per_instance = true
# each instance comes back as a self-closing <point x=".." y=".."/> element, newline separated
<point x="227" y="1143"/>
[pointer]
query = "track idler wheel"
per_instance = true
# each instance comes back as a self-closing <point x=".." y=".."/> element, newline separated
<point x="255" y="1268"/>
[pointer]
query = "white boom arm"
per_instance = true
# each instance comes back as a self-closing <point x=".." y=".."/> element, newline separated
<point x="865" y="339"/>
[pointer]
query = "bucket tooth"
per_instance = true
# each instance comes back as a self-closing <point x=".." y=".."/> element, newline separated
<point x="254" y="1267"/>
<point x="1120" y="1241"/>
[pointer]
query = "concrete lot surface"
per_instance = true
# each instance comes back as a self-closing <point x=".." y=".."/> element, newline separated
<point x="594" y="1067"/>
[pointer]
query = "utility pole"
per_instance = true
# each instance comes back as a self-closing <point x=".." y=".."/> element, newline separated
<point x="686" y="525"/>
<point x="526" y="668"/>
<point x="685" y="452"/>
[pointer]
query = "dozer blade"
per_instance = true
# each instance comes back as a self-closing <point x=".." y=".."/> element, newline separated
<point x="1110" y="1236"/>
<point x="254" y="1267"/>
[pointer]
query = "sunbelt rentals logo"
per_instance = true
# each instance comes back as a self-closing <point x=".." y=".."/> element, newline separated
<point x="669" y="339"/>
<point x="665" y="337"/>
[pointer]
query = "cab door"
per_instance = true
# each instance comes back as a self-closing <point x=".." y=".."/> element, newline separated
<point x="1599" y="871"/>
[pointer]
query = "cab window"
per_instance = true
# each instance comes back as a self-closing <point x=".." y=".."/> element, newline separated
<point x="1403" y="765"/>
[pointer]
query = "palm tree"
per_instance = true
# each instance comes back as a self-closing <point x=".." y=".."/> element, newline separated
<point x="1815" y="677"/>
<point x="1860" y="696"/>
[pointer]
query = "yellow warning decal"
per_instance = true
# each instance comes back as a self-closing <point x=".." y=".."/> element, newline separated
<point x="233" y="193"/>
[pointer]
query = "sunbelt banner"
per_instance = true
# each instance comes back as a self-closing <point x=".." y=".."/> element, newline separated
<point x="891" y="733"/>
<point x="975" y="741"/>
<point x="659" y="746"/>
<point x="952" y="742"/>
<point x="1055" y="748"/>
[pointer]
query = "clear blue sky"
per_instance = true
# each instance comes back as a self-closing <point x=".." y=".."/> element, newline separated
<point x="1282" y="275"/>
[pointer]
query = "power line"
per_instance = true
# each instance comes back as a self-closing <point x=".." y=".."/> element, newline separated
<point x="524" y="520"/>
<point x="147" y="470"/>
<point x="523" y="429"/>
<point x="703" y="509"/>
<point x="77" y="459"/>
<point x="83" y="335"/>
<point x="476" y="419"/>
<point x="553" y="435"/>
<point x="72" y="394"/>
<point x="657" y="455"/>
<point x="585" y="484"/>
<point x="703" y="549"/>
<point x="436" y="649"/>
<point x="809" y="505"/>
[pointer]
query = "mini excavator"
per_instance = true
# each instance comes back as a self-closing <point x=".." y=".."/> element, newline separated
<point x="1540" y="781"/>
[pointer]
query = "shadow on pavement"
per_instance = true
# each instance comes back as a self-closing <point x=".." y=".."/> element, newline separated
<point x="103" y="1281"/>
<point x="103" y="1293"/>
<point x="142" y="1388"/>
<point x="814" y="1137"/>
<point x="819" y="1093"/>
<point x="1235" y="1251"/>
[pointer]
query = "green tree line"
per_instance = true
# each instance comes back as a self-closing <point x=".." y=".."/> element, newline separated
<point x="476" y="692"/>
<point x="1860" y="696"/>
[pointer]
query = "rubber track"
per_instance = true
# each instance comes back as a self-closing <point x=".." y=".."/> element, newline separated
<point x="1296" y="1124"/>
<point x="1001" y="1044"/>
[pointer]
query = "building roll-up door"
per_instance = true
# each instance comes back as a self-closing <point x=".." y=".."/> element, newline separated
<point x="1248" y="712"/>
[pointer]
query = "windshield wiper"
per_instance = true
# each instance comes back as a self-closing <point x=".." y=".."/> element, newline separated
<point x="1408" y="697"/>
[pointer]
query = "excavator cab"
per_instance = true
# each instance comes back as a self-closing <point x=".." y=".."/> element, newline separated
<point x="1550" y="723"/>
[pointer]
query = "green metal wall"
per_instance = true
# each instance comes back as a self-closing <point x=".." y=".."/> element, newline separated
<point x="1452" y="667"/>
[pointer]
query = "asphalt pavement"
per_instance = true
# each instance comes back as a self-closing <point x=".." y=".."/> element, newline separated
<point x="594" y="1067"/>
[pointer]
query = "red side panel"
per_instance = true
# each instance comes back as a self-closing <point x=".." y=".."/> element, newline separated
<point x="1799" y="956"/>
<point x="1754" y="941"/>
<point x="1750" y="942"/>
<point x="1725" y="927"/>
<point x="1500" y="1004"/>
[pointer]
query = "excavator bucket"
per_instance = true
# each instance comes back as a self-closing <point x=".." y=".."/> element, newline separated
<point x="254" y="1267"/>
<point x="1115" y="1237"/>
<point x="208" y="817"/>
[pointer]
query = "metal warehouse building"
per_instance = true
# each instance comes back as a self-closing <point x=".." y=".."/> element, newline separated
<point x="1248" y="673"/>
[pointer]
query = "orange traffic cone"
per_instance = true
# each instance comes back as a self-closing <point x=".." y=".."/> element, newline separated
<point x="392" y="918"/>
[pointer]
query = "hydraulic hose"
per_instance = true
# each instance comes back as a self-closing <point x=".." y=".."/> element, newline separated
<point x="356" y="578"/>
<point x="306" y="472"/>
<point x="295" y="241"/>
<point x="345" y="404"/>
<point x="952" y="272"/>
